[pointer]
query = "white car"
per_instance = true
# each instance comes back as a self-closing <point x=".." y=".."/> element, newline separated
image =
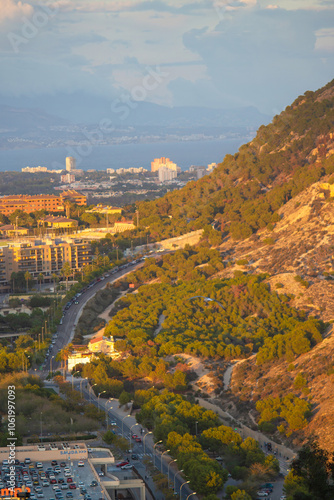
<point x="127" y="466"/>
<point x="262" y="494"/>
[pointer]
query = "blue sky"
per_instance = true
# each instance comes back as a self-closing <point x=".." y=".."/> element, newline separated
<point x="216" y="53"/>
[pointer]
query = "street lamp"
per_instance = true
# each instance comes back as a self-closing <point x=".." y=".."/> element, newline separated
<point x="193" y="493"/>
<point x="81" y="385"/>
<point x="72" y="378"/>
<point x="106" y="409"/>
<point x="158" y="442"/>
<point x="90" y="393"/>
<point x="162" y="456"/>
<point x="123" y="421"/>
<point x="98" y="398"/>
<point x="175" y="460"/>
<point x="179" y="472"/>
<point x="51" y="364"/>
<point x="150" y="432"/>
<point x="186" y="482"/>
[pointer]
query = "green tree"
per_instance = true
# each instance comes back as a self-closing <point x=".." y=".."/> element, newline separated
<point x="28" y="278"/>
<point x="240" y="495"/>
<point x="66" y="272"/>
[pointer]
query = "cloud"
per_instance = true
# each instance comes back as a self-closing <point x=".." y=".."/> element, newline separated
<point x="264" y="56"/>
<point x="13" y="10"/>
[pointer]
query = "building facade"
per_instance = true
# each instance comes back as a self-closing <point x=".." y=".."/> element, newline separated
<point x="45" y="257"/>
<point x="47" y="202"/>
<point x="70" y="163"/>
<point x="164" y="162"/>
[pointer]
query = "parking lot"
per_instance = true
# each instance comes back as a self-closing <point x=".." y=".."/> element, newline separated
<point x="56" y="480"/>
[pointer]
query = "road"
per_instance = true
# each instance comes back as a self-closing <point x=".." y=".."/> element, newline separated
<point x="65" y="331"/>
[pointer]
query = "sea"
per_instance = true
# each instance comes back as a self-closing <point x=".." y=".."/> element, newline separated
<point x="183" y="153"/>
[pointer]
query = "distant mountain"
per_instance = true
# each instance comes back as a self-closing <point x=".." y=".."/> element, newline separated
<point x="91" y="109"/>
<point x="22" y="120"/>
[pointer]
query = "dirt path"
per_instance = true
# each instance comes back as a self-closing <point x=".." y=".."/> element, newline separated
<point x="161" y="320"/>
<point x="105" y="314"/>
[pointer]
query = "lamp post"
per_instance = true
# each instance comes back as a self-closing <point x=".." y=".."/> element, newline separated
<point x="72" y="378"/>
<point x="81" y="385"/>
<point x="106" y="408"/>
<point x="179" y="472"/>
<point x="150" y="432"/>
<point x="158" y="442"/>
<point x="131" y="434"/>
<point x="186" y="482"/>
<point x="98" y="399"/>
<point x="193" y="493"/>
<point x="162" y="456"/>
<point x="41" y="427"/>
<point x="51" y="364"/>
<point x="90" y="393"/>
<point x="175" y="460"/>
<point x="123" y="422"/>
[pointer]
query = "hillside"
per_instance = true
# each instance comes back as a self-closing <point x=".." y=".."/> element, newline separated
<point x="245" y="192"/>
<point x="272" y="207"/>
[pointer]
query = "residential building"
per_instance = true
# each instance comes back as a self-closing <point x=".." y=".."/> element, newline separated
<point x="9" y="230"/>
<point x="164" y="162"/>
<point x="27" y="203"/>
<point x="70" y="163"/>
<point x="67" y="178"/>
<point x="56" y="222"/>
<point x="46" y="256"/>
<point x="73" y="196"/>
<point x="166" y="174"/>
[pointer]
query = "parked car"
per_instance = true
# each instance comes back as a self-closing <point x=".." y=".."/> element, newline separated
<point x="120" y="464"/>
<point x="127" y="466"/>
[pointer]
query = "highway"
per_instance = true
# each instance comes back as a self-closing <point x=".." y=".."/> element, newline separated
<point x="65" y="331"/>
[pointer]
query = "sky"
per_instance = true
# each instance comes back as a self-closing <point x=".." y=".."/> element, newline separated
<point x="214" y="53"/>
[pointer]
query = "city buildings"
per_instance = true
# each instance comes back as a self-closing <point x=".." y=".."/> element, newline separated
<point x="164" y="162"/>
<point x="36" y="170"/>
<point x="67" y="178"/>
<point x="56" y="222"/>
<point x="70" y="164"/>
<point x="43" y="256"/>
<point x="166" y="174"/>
<point x="97" y="344"/>
<point x="47" y="202"/>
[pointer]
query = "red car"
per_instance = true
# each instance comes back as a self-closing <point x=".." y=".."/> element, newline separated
<point x="69" y="480"/>
<point x="138" y="440"/>
<point x="120" y="464"/>
<point x="134" y="436"/>
<point x="53" y="481"/>
<point x="72" y="486"/>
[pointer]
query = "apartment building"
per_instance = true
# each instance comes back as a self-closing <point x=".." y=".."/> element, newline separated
<point x="46" y="256"/>
<point x="47" y="202"/>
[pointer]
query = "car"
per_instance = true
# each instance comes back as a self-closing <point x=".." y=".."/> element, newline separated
<point x="262" y="494"/>
<point x="134" y="436"/>
<point x="40" y="495"/>
<point x="45" y="484"/>
<point x="120" y="464"/>
<point x="39" y="465"/>
<point x="81" y="483"/>
<point x="53" y="480"/>
<point x="67" y="474"/>
<point x="113" y="423"/>
<point x="134" y="457"/>
<point x="127" y="466"/>
<point x="69" y="480"/>
<point x="54" y="462"/>
<point x="83" y="491"/>
<point x="81" y="463"/>
<point x="55" y="487"/>
<point x="27" y="460"/>
<point x="67" y="469"/>
<point x="35" y="481"/>
<point x="138" y="440"/>
<point x="94" y="483"/>
<point x="283" y="497"/>
<point x="62" y="464"/>
<point x="69" y="494"/>
<point x="72" y="486"/>
<point x="61" y="480"/>
<point x="64" y="487"/>
<point x="87" y="497"/>
<point x="38" y="488"/>
<point x="89" y="450"/>
<point x="101" y="473"/>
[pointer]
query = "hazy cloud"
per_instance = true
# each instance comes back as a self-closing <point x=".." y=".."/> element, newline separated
<point x="13" y="10"/>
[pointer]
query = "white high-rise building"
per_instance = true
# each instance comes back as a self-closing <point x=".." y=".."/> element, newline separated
<point x="70" y="163"/>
